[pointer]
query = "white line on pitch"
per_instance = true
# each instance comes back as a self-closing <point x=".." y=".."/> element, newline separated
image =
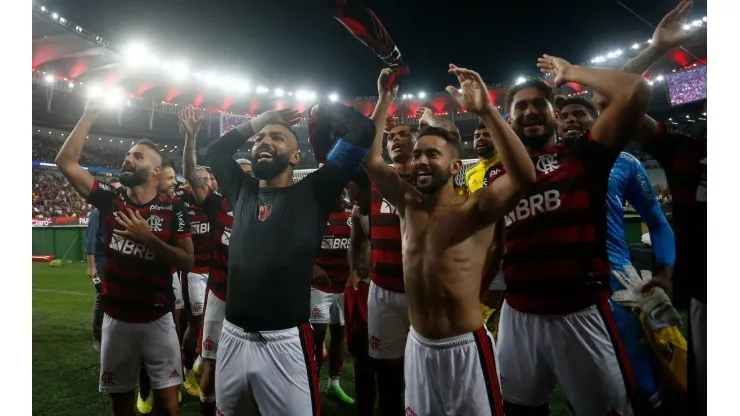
<point x="62" y="292"/>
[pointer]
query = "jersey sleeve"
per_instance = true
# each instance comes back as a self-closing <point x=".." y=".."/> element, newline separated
<point x="326" y="184"/>
<point x="180" y="221"/>
<point x="102" y="196"/>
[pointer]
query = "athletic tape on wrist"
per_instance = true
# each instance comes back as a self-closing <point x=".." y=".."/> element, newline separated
<point x="346" y="156"/>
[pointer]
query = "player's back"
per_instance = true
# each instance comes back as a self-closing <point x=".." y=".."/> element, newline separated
<point x="444" y="254"/>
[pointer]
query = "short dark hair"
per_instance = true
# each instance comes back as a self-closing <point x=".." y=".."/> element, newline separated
<point x="452" y="141"/>
<point x="481" y="126"/>
<point x="166" y="163"/>
<point x="148" y="143"/>
<point x="287" y="126"/>
<point x="111" y="181"/>
<point x="579" y="101"/>
<point x="530" y="83"/>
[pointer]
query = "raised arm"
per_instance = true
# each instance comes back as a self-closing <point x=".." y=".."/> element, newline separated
<point x="669" y="34"/>
<point x="390" y="184"/>
<point x="191" y="124"/>
<point x="427" y="118"/>
<point x="629" y="95"/>
<point x="499" y="198"/>
<point x="68" y="158"/>
<point x="358" y="238"/>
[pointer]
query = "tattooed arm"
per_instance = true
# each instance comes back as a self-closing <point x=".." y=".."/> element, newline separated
<point x="191" y="124"/>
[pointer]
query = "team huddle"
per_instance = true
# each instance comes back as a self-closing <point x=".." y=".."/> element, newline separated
<point x="473" y="301"/>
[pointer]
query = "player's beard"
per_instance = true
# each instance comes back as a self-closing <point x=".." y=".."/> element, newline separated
<point x="270" y="170"/>
<point x="537" y="141"/>
<point x="437" y="181"/>
<point x="485" y="152"/>
<point x="135" y="178"/>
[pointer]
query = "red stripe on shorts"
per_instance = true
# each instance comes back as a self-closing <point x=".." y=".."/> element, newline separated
<point x="488" y="364"/>
<point x="605" y="310"/>
<point x="305" y="332"/>
<point x="199" y="348"/>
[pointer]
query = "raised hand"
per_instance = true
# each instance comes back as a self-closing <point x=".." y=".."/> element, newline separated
<point x="135" y="226"/>
<point x="553" y="65"/>
<point x="424" y="115"/>
<point x="670" y="32"/>
<point x="190" y="122"/>
<point x="382" y="92"/>
<point x="390" y="123"/>
<point x="472" y="94"/>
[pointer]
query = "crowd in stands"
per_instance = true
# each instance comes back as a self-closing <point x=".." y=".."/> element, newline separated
<point x="53" y="196"/>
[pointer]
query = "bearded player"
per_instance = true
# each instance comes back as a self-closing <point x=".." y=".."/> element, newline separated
<point x="449" y="353"/>
<point x="146" y="233"/>
<point x="220" y="218"/>
<point x="556" y="268"/>
<point x="683" y="157"/>
<point x="628" y="182"/>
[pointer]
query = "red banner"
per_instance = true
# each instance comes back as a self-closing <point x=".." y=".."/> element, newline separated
<point x="58" y="221"/>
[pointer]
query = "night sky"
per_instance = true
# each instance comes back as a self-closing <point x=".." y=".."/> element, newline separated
<point x="297" y="44"/>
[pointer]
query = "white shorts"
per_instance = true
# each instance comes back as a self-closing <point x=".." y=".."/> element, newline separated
<point x="581" y="350"/>
<point x="698" y="336"/>
<point x="213" y="320"/>
<point x="125" y="346"/>
<point x="177" y="288"/>
<point x="327" y="308"/>
<point x="388" y="323"/>
<point x="197" y="283"/>
<point x="277" y="374"/>
<point x="498" y="281"/>
<point x="453" y="376"/>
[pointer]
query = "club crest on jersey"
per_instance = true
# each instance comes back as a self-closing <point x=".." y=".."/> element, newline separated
<point x="154" y="222"/>
<point x="387" y="208"/>
<point x="264" y="212"/>
<point x="547" y="163"/>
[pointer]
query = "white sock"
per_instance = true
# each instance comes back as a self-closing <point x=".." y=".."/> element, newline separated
<point x="333" y="382"/>
<point x="199" y="362"/>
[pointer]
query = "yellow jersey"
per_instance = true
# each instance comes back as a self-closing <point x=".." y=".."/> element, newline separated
<point x="477" y="176"/>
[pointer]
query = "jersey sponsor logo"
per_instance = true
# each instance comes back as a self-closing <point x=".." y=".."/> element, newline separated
<point x="129" y="247"/>
<point x="230" y="213"/>
<point x="534" y="205"/>
<point x="200" y="227"/>
<point x="226" y="236"/>
<point x="264" y="212"/>
<point x="191" y="212"/>
<point x="180" y="222"/>
<point x="105" y="187"/>
<point x="155" y="223"/>
<point x="160" y="207"/>
<point x="387" y="208"/>
<point x="547" y="163"/>
<point x="490" y="173"/>
<point x="329" y="242"/>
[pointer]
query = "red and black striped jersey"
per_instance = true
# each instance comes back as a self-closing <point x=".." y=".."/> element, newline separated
<point x="332" y="256"/>
<point x="221" y="218"/>
<point x="200" y="229"/>
<point x="386" y="268"/>
<point x="684" y="160"/>
<point x="137" y="286"/>
<point x="556" y="260"/>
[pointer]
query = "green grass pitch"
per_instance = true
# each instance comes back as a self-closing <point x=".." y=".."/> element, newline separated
<point x="65" y="367"/>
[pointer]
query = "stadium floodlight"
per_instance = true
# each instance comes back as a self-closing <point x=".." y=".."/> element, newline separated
<point x="134" y="54"/>
<point x="697" y="23"/>
<point x="704" y="18"/>
<point x="520" y="80"/>
<point x="62" y="20"/>
<point x="94" y="91"/>
<point x="649" y="41"/>
<point x="635" y="46"/>
<point x="180" y="71"/>
<point x="650" y="82"/>
<point x="279" y="92"/>
<point x="290" y="94"/>
<point x="311" y="96"/>
<point x="49" y="78"/>
<point x="262" y="90"/>
<point x="659" y="78"/>
<point x="43" y="9"/>
<point x="242" y="86"/>
<point x="210" y="78"/>
<point x="71" y="85"/>
<point x="114" y="97"/>
<point x="301" y="95"/>
<point x="333" y="97"/>
<point x="54" y="16"/>
<point x="422" y="94"/>
<point x="686" y="27"/>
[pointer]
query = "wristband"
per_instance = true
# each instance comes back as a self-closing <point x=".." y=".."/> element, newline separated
<point x="346" y="156"/>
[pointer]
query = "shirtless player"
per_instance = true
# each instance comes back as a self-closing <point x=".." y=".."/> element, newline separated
<point x="450" y="361"/>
